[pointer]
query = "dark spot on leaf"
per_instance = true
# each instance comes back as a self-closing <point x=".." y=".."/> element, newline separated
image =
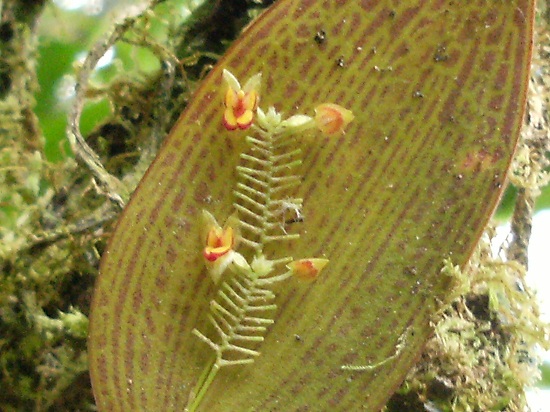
<point x="411" y="271"/>
<point x="320" y="37"/>
<point x="441" y="54"/>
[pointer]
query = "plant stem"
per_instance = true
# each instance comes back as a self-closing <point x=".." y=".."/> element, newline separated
<point x="203" y="384"/>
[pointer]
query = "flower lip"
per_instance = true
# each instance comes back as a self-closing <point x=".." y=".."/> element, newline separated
<point x="240" y="103"/>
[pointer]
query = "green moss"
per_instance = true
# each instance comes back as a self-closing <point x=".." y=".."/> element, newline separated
<point x="484" y="351"/>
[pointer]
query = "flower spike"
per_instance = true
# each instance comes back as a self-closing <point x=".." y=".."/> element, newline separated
<point x="240" y="103"/>
<point x="332" y="118"/>
<point x="244" y="304"/>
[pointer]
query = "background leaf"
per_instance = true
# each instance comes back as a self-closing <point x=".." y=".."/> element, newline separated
<point x="437" y="89"/>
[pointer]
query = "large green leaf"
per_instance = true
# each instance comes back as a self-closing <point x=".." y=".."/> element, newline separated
<point x="437" y="89"/>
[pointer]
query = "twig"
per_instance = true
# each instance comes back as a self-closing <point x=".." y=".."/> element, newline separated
<point x="97" y="219"/>
<point x="115" y="190"/>
<point x="529" y="175"/>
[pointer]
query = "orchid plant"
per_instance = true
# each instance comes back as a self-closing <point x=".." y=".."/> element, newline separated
<point x="234" y="256"/>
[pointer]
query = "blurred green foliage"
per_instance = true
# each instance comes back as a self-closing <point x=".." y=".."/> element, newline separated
<point x="545" y="375"/>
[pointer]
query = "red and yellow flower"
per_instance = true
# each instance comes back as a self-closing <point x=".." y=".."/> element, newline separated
<point x="218" y="243"/>
<point x="219" y="250"/>
<point x="240" y="103"/>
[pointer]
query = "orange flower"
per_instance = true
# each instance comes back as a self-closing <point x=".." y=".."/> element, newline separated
<point x="240" y="103"/>
<point x="307" y="269"/>
<point x="332" y="118"/>
<point x="219" y="250"/>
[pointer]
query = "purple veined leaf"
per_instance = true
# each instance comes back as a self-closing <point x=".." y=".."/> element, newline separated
<point x="437" y="90"/>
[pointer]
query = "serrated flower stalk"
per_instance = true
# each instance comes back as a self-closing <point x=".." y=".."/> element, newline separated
<point x="267" y="210"/>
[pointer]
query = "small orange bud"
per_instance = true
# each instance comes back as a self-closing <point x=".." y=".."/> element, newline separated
<point x="331" y="118"/>
<point x="307" y="269"/>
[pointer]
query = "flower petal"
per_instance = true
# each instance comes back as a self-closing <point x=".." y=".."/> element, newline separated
<point x="208" y="222"/>
<point x="228" y="237"/>
<point x="245" y="120"/>
<point x="231" y="80"/>
<point x="212" y="239"/>
<point x="253" y="83"/>
<point x="231" y="98"/>
<point x="234" y="223"/>
<point x="250" y="100"/>
<point x="229" y="119"/>
<point x="212" y="254"/>
<point x="217" y="267"/>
